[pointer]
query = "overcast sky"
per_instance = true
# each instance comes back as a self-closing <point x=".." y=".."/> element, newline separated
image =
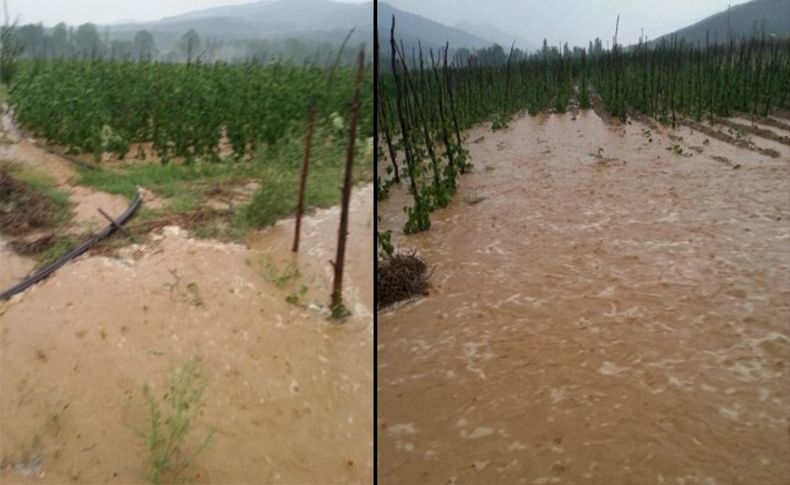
<point x="74" y="12"/>
<point x="574" y="21"/>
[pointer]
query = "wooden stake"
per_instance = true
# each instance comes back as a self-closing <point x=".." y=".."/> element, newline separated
<point x="338" y="309"/>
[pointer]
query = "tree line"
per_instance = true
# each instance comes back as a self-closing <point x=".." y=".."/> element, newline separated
<point x="89" y="41"/>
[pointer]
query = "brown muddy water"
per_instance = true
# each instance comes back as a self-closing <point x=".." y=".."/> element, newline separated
<point x="604" y="311"/>
<point x="290" y="394"/>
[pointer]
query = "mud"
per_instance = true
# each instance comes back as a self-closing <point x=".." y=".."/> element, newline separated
<point x="289" y="395"/>
<point x="609" y="311"/>
<point x="15" y="267"/>
<point x="25" y="153"/>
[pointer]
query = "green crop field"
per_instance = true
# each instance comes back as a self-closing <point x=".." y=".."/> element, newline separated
<point x="182" y="110"/>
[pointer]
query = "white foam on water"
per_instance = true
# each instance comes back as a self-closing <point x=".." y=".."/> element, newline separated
<point x="611" y="369"/>
<point x="404" y="428"/>
<point x="730" y="413"/>
<point x="557" y="395"/>
<point x="480" y="432"/>
<point x="609" y="291"/>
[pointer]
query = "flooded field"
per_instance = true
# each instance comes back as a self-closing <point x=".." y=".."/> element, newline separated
<point x="289" y="393"/>
<point x="609" y="305"/>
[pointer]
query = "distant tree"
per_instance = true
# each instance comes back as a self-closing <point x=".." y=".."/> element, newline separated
<point x="294" y="48"/>
<point x="144" y="47"/>
<point x="104" y="47"/>
<point x="492" y="56"/>
<point x="597" y="47"/>
<point x="33" y="40"/>
<point x="10" y="49"/>
<point x="87" y="41"/>
<point x="122" y="49"/>
<point x="213" y="48"/>
<point x="461" y="56"/>
<point x="189" y="45"/>
<point x="59" y="41"/>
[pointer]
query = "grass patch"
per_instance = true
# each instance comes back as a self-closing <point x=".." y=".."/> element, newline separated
<point x="60" y="246"/>
<point x="188" y="188"/>
<point x="280" y="180"/>
<point x="170" y="422"/>
<point x="176" y="181"/>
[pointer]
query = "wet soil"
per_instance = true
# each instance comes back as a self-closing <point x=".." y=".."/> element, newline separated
<point x="610" y="310"/>
<point x="25" y="153"/>
<point x="290" y="392"/>
<point x="289" y="395"/>
<point x="14" y="267"/>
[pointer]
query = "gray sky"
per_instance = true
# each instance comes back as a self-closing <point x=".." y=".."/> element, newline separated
<point x="574" y="21"/>
<point x="74" y="12"/>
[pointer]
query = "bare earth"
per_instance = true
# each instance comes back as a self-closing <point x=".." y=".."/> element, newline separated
<point x="86" y="200"/>
<point x="614" y="316"/>
<point x="290" y="393"/>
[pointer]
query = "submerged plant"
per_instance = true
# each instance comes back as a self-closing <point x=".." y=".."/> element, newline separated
<point x="170" y="421"/>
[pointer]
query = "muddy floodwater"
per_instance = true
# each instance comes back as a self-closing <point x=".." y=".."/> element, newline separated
<point x="607" y="308"/>
<point x="289" y="396"/>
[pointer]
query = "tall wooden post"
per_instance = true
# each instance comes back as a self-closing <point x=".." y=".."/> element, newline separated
<point x="338" y="309"/>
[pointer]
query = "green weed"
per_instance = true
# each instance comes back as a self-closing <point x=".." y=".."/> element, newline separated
<point x="280" y="278"/>
<point x="295" y="298"/>
<point x="170" y="421"/>
<point x="60" y="247"/>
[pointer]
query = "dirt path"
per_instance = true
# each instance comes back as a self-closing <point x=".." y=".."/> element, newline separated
<point x="606" y="309"/>
<point x="15" y="267"/>
<point x="87" y="201"/>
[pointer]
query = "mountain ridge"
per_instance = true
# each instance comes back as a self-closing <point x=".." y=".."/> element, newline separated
<point x="744" y="20"/>
<point x="415" y="30"/>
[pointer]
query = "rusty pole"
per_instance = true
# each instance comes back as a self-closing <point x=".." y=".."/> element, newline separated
<point x="338" y="310"/>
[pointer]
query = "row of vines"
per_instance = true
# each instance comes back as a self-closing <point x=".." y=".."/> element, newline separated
<point x="424" y="102"/>
<point x="675" y="79"/>
<point x="182" y="110"/>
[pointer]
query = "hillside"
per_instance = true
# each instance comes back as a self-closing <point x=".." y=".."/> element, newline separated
<point x="265" y="19"/>
<point x="490" y="32"/>
<point x="745" y="20"/>
<point x="411" y="28"/>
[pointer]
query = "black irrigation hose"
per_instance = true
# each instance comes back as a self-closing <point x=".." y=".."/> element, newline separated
<point x="35" y="278"/>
